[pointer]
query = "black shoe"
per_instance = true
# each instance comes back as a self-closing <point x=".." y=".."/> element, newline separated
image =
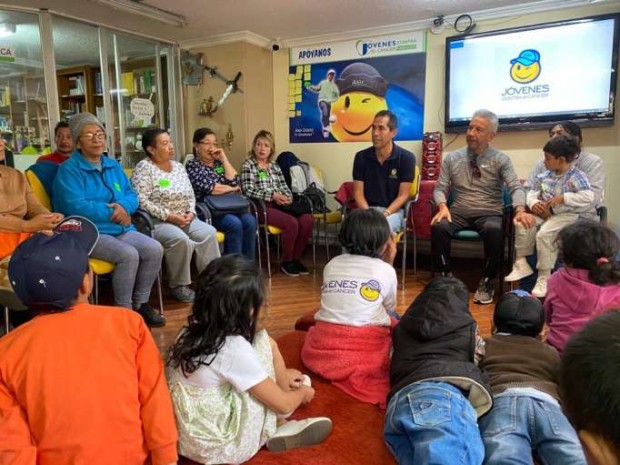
<point x="151" y="317"/>
<point x="301" y="268"/>
<point x="290" y="269"/>
<point x="484" y="293"/>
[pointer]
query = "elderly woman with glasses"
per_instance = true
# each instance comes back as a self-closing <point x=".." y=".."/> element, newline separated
<point x="95" y="186"/>
<point x="165" y="192"/>
<point x="211" y="173"/>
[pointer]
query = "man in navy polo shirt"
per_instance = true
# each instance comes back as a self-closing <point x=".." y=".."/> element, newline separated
<point x="383" y="173"/>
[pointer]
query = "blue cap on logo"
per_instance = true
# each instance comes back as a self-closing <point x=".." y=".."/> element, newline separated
<point x="527" y="57"/>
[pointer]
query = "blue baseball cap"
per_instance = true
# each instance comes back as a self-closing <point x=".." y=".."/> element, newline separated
<point x="46" y="271"/>
<point x="527" y="57"/>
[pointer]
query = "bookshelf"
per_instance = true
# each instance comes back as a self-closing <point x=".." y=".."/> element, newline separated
<point x="24" y="120"/>
<point x="79" y="90"/>
<point x="139" y="108"/>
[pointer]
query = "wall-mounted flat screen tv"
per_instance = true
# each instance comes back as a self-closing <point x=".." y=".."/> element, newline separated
<point x="536" y="75"/>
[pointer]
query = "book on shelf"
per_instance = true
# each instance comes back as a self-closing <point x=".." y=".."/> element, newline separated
<point x="128" y="83"/>
<point x="98" y="85"/>
<point x="100" y="113"/>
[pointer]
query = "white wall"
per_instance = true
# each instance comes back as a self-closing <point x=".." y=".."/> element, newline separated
<point x="524" y="148"/>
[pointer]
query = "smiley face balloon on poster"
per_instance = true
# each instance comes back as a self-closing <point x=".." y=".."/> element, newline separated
<point x="362" y="95"/>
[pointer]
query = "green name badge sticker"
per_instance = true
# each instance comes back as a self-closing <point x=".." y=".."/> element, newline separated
<point x="262" y="174"/>
<point x="117" y="186"/>
<point x="219" y="169"/>
<point x="164" y="183"/>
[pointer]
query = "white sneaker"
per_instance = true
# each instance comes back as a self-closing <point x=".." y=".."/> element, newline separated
<point x="540" y="289"/>
<point x="300" y="433"/>
<point x="520" y="270"/>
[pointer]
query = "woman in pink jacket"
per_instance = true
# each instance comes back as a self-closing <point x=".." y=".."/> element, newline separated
<point x="588" y="285"/>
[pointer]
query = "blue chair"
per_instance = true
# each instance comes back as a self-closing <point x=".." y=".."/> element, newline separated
<point x="508" y="238"/>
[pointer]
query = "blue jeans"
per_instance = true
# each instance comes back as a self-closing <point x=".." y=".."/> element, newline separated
<point x="518" y="424"/>
<point x="395" y="220"/>
<point x="240" y="233"/>
<point x="138" y="260"/>
<point x="432" y="423"/>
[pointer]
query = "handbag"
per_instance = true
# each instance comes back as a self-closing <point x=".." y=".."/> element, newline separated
<point x="299" y="206"/>
<point x="225" y="204"/>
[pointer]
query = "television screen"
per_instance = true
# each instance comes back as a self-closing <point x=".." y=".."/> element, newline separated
<point x="535" y="75"/>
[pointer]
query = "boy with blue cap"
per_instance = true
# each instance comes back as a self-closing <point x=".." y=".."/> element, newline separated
<point x="79" y="383"/>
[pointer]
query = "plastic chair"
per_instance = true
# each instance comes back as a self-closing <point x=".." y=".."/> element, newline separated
<point x="260" y="210"/>
<point x="409" y="226"/>
<point x="205" y="215"/>
<point x="100" y="267"/>
<point x="326" y="218"/>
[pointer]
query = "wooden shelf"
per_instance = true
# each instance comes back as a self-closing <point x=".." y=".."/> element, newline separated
<point x="83" y="79"/>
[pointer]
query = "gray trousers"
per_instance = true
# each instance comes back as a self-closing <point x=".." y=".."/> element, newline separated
<point x="137" y="258"/>
<point x="197" y="238"/>
<point x="543" y="236"/>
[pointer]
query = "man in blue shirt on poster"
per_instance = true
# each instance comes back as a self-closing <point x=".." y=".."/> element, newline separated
<point x="383" y="173"/>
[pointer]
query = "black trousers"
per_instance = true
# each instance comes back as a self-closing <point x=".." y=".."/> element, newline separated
<point x="490" y="229"/>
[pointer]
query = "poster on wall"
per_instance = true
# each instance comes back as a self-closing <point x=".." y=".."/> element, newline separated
<point x="336" y="89"/>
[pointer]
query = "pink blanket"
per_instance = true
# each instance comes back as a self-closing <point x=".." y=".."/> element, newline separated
<point x="355" y="359"/>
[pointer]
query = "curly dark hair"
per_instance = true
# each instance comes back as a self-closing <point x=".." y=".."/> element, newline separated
<point x="230" y="295"/>
<point x="364" y="232"/>
<point x="589" y="245"/>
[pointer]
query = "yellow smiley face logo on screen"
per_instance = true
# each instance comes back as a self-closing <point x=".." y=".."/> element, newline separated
<point x="526" y="67"/>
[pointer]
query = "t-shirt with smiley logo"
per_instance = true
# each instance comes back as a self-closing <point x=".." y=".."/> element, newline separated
<point x="357" y="291"/>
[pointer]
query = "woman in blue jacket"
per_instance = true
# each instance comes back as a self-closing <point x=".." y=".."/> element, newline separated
<point x="95" y="186"/>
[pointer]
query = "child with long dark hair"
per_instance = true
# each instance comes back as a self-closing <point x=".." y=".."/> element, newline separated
<point x="228" y="380"/>
<point x="350" y="343"/>
<point x="588" y="285"/>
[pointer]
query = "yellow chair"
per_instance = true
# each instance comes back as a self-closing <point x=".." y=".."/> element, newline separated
<point x="205" y="214"/>
<point x="99" y="267"/>
<point x="413" y="198"/>
<point x="326" y="218"/>
<point x="38" y="189"/>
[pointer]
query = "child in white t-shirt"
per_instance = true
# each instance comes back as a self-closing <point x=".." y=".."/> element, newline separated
<point x="351" y="341"/>
<point x="228" y="381"/>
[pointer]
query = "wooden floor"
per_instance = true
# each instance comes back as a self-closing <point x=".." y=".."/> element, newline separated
<point x="289" y="298"/>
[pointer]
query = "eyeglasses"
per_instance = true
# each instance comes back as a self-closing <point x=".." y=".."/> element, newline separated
<point x="99" y="135"/>
<point x="207" y="143"/>
<point x="475" y="169"/>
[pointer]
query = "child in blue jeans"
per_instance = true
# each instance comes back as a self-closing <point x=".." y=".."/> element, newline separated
<point x="526" y="414"/>
<point x="438" y="391"/>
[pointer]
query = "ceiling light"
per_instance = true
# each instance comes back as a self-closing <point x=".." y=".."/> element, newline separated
<point x="149" y="11"/>
<point x="7" y="29"/>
